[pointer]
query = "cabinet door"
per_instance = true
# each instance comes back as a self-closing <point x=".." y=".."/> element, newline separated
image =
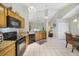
<point x="27" y="40"/>
<point x="22" y="23"/>
<point x="44" y="35"/>
<point x="10" y="50"/>
<point x="41" y="35"/>
<point x="2" y="17"/>
<point x="37" y="36"/>
<point x="11" y="13"/>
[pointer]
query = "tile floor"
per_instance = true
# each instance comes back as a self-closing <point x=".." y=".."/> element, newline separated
<point x="53" y="47"/>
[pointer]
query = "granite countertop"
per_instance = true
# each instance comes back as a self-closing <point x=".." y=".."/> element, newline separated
<point x="5" y="44"/>
<point x="31" y="32"/>
<point x="35" y="32"/>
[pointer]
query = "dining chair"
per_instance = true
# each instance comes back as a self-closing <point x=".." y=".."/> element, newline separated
<point x="71" y="40"/>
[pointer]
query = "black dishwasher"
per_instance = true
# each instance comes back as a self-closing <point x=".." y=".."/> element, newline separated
<point x="21" y="46"/>
<point x="32" y="38"/>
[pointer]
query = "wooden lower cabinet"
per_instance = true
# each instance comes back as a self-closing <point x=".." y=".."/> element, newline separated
<point x="37" y="36"/>
<point x="27" y="40"/>
<point x="40" y="36"/>
<point x="11" y="52"/>
<point x="8" y="51"/>
<point x="44" y="35"/>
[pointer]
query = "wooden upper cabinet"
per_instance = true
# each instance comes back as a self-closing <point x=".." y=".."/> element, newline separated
<point x="22" y="23"/>
<point x="21" y="19"/>
<point x="3" y="13"/>
<point x="11" y="13"/>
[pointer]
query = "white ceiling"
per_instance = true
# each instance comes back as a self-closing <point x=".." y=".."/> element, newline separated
<point x="72" y="13"/>
<point x="42" y="6"/>
<point x="39" y="10"/>
<point x="55" y="10"/>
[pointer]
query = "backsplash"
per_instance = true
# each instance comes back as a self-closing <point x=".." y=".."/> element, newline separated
<point x="7" y="29"/>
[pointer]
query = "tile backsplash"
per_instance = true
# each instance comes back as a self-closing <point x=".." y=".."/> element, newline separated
<point x="7" y="29"/>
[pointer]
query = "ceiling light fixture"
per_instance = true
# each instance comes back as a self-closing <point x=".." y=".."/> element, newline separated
<point x="74" y="21"/>
<point x="31" y="8"/>
<point x="46" y="17"/>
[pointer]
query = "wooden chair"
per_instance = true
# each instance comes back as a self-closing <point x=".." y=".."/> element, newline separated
<point x="71" y="40"/>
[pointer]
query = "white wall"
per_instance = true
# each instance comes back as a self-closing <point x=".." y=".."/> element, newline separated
<point x="38" y="25"/>
<point x="74" y="27"/>
<point x="61" y="28"/>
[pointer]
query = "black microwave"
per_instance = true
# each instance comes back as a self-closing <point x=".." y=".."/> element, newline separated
<point x="13" y="22"/>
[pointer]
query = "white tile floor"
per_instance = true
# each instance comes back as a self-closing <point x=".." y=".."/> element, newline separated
<point x="53" y="47"/>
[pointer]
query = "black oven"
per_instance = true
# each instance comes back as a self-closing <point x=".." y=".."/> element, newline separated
<point x="13" y="22"/>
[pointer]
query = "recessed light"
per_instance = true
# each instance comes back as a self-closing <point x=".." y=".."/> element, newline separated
<point x="31" y="8"/>
<point x="75" y="20"/>
<point x="46" y="17"/>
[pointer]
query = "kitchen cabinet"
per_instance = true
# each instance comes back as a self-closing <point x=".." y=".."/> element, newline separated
<point x="3" y="13"/>
<point x="11" y="13"/>
<point x="40" y="36"/>
<point x="17" y="17"/>
<point x="9" y="50"/>
<point x="27" y="40"/>
<point x="22" y="21"/>
<point x="44" y="35"/>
